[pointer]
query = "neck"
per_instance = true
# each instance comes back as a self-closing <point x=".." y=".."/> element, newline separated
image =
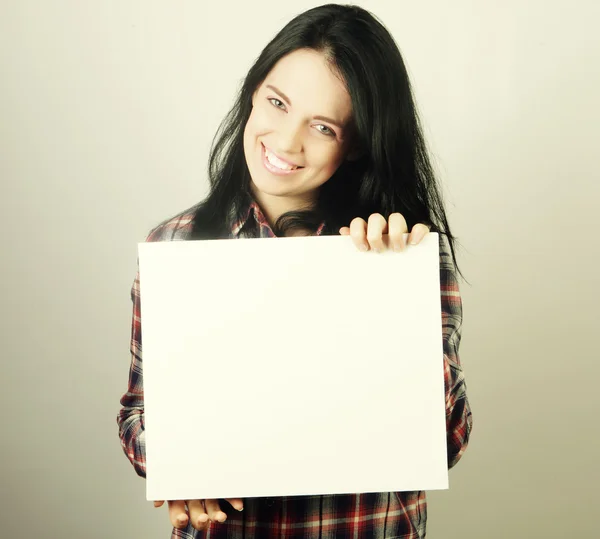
<point x="274" y="207"/>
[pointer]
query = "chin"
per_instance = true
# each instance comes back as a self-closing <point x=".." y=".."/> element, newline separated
<point x="272" y="187"/>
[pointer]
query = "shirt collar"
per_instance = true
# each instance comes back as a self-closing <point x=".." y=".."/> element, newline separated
<point x="254" y="211"/>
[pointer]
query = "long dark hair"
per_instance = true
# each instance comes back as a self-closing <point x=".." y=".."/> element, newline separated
<point x="393" y="174"/>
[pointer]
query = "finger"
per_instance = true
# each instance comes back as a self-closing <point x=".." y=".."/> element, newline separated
<point x="236" y="503"/>
<point x="198" y="516"/>
<point x="345" y="231"/>
<point x="158" y="503"/>
<point x="396" y="230"/>
<point x="358" y="232"/>
<point x="376" y="229"/>
<point x="178" y="514"/>
<point x="419" y="231"/>
<point x="214" y="511"/>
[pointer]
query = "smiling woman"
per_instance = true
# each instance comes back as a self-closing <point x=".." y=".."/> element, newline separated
<point x="324" y="138"/>
<point x="293" y="134"/>
<point x="329" y="93"/>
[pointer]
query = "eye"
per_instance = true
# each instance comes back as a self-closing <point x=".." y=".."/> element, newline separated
<point x="277" y="103"/>
<point x="325" y="130"/>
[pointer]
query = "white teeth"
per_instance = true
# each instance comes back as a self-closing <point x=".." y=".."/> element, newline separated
<point x="276" y="162"/>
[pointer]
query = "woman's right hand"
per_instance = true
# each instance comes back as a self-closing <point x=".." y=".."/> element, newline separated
<point x="199" y="512"/>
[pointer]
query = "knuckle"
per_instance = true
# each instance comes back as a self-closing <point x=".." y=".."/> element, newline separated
<point x="376" y="217"/>
<point x="200" y="526"/>
<point x="398" y="220"/>
<point x="358" y="234"/>
<point x="396" y="236"/>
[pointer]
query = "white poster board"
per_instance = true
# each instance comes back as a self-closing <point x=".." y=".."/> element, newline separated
<point x="291" y="366"/>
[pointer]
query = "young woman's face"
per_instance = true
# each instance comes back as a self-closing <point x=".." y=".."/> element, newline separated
<point x="298" y="131"/>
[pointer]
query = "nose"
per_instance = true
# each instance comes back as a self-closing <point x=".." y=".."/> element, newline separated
<point x="290" y="138"/>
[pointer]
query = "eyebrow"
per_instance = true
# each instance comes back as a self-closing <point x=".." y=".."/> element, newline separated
<point x="289" y="102"/>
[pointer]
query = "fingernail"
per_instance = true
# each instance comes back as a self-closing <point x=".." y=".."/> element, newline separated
<point x="398" y="247"/>
<point x="414" y="241"/>
<point x="241" y="508"/>
<point x="181" y="520"/>
<point x="363" y="247"/>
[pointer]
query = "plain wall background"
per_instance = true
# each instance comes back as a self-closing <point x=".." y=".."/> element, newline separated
<point x="107" y="110"/>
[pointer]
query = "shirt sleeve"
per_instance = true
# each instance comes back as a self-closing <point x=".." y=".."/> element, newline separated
<point x="131" y="416"/>
<point x="459" y="420"/>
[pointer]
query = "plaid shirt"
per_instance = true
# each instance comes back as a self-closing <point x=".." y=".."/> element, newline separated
<point x="358" y="516"/>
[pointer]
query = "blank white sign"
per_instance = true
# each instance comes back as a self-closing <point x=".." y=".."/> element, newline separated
<point x="291" y="366"/>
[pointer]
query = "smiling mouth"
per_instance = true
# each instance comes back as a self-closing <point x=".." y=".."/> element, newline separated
<point x="276" y="163"/>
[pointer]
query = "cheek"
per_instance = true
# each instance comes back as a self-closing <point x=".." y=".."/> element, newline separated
<point x="260" y="121"/>
<point x="328" y="157"/>
<point x="249" y="139"/>
<point x="248" y="135"/>
<point x="255" y="127"/>
<point x="250" y="125"/>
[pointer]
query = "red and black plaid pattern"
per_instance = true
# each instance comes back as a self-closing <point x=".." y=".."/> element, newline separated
<point x="352" y="516"/>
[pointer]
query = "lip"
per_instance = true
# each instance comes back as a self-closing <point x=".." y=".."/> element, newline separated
<point x="274" y="170"/>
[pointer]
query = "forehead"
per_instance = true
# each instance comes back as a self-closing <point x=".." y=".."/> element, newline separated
<point x="306" y="77"/>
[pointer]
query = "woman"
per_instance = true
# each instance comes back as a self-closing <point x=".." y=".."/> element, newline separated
<point x="324" y="138"/>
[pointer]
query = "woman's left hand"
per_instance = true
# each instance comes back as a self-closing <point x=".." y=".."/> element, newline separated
<point x="379" y="234"/>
